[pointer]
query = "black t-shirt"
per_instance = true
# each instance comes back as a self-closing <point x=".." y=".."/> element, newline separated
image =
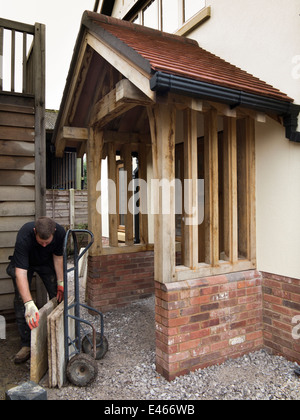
<point x="28" y="253"/>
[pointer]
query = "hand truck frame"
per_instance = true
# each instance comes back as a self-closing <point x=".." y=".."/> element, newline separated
<point x="81" y="367"/>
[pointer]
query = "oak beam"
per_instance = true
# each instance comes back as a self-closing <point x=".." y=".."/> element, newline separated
<point x="129" y="235"/>
<point x="60" y="143"/>
<point x="112" y="196"/>
<point x="120" y="100"/>
<point x="162" y="120"/>
<point x="230" y="190"/>
<point x="190" y="252"/>
<point x="94" y="155"/>
<point x="211" y="188"/>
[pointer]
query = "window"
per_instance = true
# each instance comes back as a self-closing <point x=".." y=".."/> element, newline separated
<point x="168" y="15"/>
<point x="225" y="166"/>
<point x="151" y="16"/>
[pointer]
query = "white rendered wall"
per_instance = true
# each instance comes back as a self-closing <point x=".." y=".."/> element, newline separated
<point x="263" y="38"/>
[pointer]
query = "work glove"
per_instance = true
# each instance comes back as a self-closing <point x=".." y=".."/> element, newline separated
<point x="60" y="291"/>
<point x="31" y="314"/>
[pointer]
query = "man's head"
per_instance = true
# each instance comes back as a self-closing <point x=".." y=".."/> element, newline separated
<point x="44" y="231"/>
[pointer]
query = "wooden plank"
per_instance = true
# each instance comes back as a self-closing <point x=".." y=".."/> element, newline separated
<point x="17" y="208"/>
<point x="7" y="239"/>
<point x="128" y="92"/>
<point x="16" y="120"/>
<point x="162" y="119"/>
<point x="230" y="191"/>
<point x="107" y="109"/>
<point x="246" y="190"/>
<point x="112" y="196"/>
<point x="16" y="148"/>
<point x="94" y="157"/>
<point x="10" y="224"/>
<point x="18" y="26"/>
<point x="7" y="302"/>
<point x="60" y="143"/>
<point x="16" y="134"/>
<point x="143" y="196"/>
<point x="6" y="287"/>
<point x="40" y="130"/>
<point x="5" y="253"/>
<point x="190" y="252"/>
<point x="3" y="274"/>
<point x="17" y="163"/>
<point x="137" y="76"/>
<point x="211" y="188"/>
<point x="250" y="133"/>
<point x="129" y="235"/>
<point x="26" y="178"/>
<point x="17" y="109"/>
<point x="75" y="133"/>
<point x="1" y="59"/>
<point x="17" y="194"/>
<point x="13" y="60"/>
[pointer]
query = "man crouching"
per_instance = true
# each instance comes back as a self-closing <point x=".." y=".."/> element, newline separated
<point x="38" y="249"/>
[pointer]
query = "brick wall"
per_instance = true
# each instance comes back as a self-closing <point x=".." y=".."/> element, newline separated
<point x="204" y="322"/>
<point x="118" y="280"/>
<point x="281" y="297"/>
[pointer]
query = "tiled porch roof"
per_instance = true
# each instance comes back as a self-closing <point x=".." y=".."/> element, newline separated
<point x="180" y="56"/>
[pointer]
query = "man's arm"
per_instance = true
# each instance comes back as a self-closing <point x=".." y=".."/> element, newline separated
<point x="59" y="270"/>
<point x="22" y="284"/>
<point x="31" y="311"/>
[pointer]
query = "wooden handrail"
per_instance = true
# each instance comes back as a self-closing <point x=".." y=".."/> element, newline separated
<point x="17" y="26"/>
<point x="29" y="72"/>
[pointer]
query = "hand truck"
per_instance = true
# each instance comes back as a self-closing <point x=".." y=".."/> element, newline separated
<point x="81" y="366"/>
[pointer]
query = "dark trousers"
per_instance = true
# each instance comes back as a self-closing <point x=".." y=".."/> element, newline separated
<point x="48" y="276"/>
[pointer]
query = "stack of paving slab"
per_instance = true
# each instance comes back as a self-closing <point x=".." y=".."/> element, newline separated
<point x="47" y="344"/>
<point x="56" y="345"/>
<point x="39" y="348"/>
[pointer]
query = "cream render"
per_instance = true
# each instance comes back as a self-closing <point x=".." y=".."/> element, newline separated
<point x="262" y="38"/>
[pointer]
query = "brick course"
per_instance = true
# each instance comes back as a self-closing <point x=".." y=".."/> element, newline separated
<point x="204" y="322"/>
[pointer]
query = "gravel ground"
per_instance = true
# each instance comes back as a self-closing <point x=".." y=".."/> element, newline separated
<point x="128" y="370"/>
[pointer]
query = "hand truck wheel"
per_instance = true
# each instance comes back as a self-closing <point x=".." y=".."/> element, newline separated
<point x="87" y="346"/>
<point x="82" y="369"/>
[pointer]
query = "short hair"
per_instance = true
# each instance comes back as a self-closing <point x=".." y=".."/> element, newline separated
<point x="45" y="227"/>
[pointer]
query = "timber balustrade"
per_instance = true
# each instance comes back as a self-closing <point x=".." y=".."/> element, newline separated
<point x="20" y="45"/>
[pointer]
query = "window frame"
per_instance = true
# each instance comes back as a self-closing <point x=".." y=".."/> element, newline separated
<point x="190" y="267"/>
<point x="196" y="19"/>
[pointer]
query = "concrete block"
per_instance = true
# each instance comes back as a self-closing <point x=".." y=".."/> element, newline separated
<point x="29" y="391"/>
<point x="39" y="348"/>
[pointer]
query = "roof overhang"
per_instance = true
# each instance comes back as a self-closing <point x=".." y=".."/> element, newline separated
<point x="95" y="34"/>
<point x="162" y="82"/>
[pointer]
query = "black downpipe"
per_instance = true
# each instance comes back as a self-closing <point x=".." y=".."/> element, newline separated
<point x="162" y="82"/>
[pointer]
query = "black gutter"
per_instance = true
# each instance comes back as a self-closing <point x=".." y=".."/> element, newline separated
<point x="162" y="82"/>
